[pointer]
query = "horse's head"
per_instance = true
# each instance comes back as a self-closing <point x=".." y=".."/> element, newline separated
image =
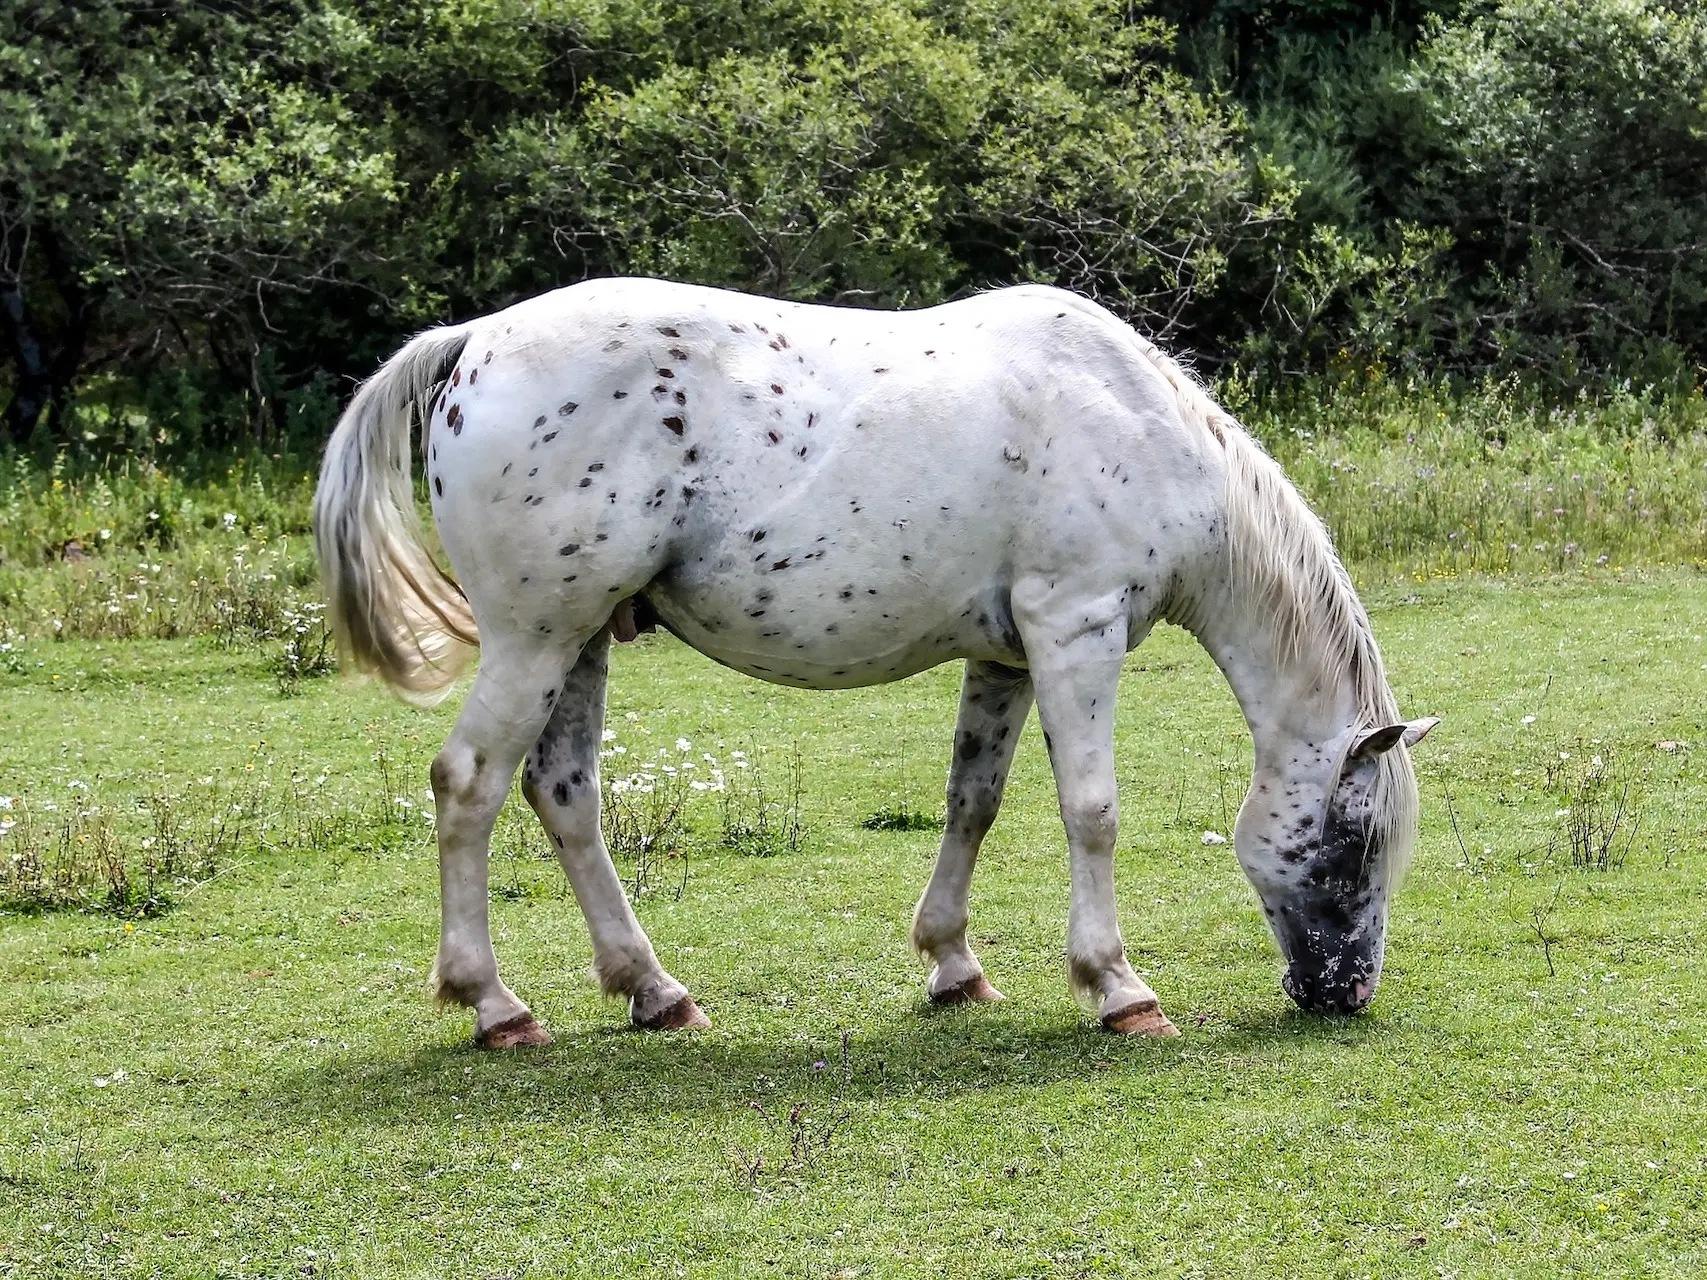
<point x="1322" y="836"/>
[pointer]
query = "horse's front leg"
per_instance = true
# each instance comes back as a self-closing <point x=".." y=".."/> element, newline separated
<point x="994" y="701"/>
<point x="510" y="702"/>
<point x="1077" y="676"/>
<point x="561" y="782"/>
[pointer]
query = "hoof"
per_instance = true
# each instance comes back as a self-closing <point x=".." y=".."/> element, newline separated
<point x="975" y="990"/>
<point x="523" y="1031"/>
<point x="1142" y="1019"/>
<point x="683" y="1015"/>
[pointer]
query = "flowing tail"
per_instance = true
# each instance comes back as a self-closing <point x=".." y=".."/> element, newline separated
<point x="392" y="609"/>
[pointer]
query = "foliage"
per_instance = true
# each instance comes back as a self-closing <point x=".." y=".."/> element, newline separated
<point x="1565" y="147"/>
<point x="211" y="217"/>
<point x="275" y="194"/>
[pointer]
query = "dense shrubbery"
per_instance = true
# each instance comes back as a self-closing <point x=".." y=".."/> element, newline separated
<point x="211" y="215"/>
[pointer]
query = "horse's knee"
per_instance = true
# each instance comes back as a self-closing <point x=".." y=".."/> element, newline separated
<point x="1092" y="820"/>
<point x="455" y="776"/>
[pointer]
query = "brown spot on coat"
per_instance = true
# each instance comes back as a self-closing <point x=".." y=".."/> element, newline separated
<point x="453" y="419"/>
<point x="668" y="332"/>
<point x="675" y="424"/>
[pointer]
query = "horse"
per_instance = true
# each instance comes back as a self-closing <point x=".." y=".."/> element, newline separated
<point x="828" y="497"/>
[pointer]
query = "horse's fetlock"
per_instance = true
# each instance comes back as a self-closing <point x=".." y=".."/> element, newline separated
<point x="936" y="930"/>
<point x="626" y="974"/>
<point x="447" y="987"/>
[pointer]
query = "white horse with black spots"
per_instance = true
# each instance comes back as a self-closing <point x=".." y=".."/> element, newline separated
<point x="824" y="498"/>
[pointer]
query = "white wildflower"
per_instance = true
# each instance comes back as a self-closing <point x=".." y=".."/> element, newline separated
<point x="683" y="745"/>
<point x="230" y="519"/>
<point x="1214" y="837"/>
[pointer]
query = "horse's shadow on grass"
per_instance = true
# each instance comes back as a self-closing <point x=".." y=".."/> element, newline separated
<point x="611" y="1073"/>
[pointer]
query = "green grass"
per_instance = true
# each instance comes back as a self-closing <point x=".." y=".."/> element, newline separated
<point x="289" y="1105"/>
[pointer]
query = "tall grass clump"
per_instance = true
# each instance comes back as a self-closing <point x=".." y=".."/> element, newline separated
<point x="1416" y="480"/>
<point x="131" y="550"/>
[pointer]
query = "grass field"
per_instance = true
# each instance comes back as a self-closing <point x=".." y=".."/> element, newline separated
<point x="244" y="1079"/>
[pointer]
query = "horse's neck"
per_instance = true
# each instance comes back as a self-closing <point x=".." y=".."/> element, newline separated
<point x="1288" y="695"/>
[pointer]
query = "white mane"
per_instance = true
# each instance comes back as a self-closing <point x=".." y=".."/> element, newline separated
<point x="1284" y="565"/>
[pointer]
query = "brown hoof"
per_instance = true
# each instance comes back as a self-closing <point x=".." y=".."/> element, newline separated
<point x="523" y="1031"/>
<point x="683" y="1015"/>
<point x="973" y="991"/>
<point x="1142" y="1019"/>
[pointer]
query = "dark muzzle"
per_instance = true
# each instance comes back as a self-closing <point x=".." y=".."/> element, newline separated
<point x="1326" y="996"/>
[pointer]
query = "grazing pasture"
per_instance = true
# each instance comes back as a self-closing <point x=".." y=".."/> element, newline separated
<point x="237" y="1074"/>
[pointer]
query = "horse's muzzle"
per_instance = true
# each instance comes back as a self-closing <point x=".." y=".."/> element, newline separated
<point x="1331" y="999"/>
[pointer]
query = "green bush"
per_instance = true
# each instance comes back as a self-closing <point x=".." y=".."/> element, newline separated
<point x="213" y="217"/>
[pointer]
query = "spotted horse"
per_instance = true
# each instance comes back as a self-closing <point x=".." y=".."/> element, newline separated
<point x="825" y="497"/>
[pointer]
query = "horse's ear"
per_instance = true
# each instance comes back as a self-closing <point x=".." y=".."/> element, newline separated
<point x="1375" y="742"/>
<point x="1417" y="730"/>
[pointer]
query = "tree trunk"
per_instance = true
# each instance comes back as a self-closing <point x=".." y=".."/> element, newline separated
<point x="32" y="387"/>
<point x="43" y="382"/>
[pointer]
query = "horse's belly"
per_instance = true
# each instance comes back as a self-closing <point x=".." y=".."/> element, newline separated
<point x="835" y="636"/>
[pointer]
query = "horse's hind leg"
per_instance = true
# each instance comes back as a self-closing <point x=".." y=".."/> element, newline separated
<point x="510" y="702"/>
<point x="1077" y="673"/>
<point x="561" y="782"/>
<point x="994" y="701"/>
